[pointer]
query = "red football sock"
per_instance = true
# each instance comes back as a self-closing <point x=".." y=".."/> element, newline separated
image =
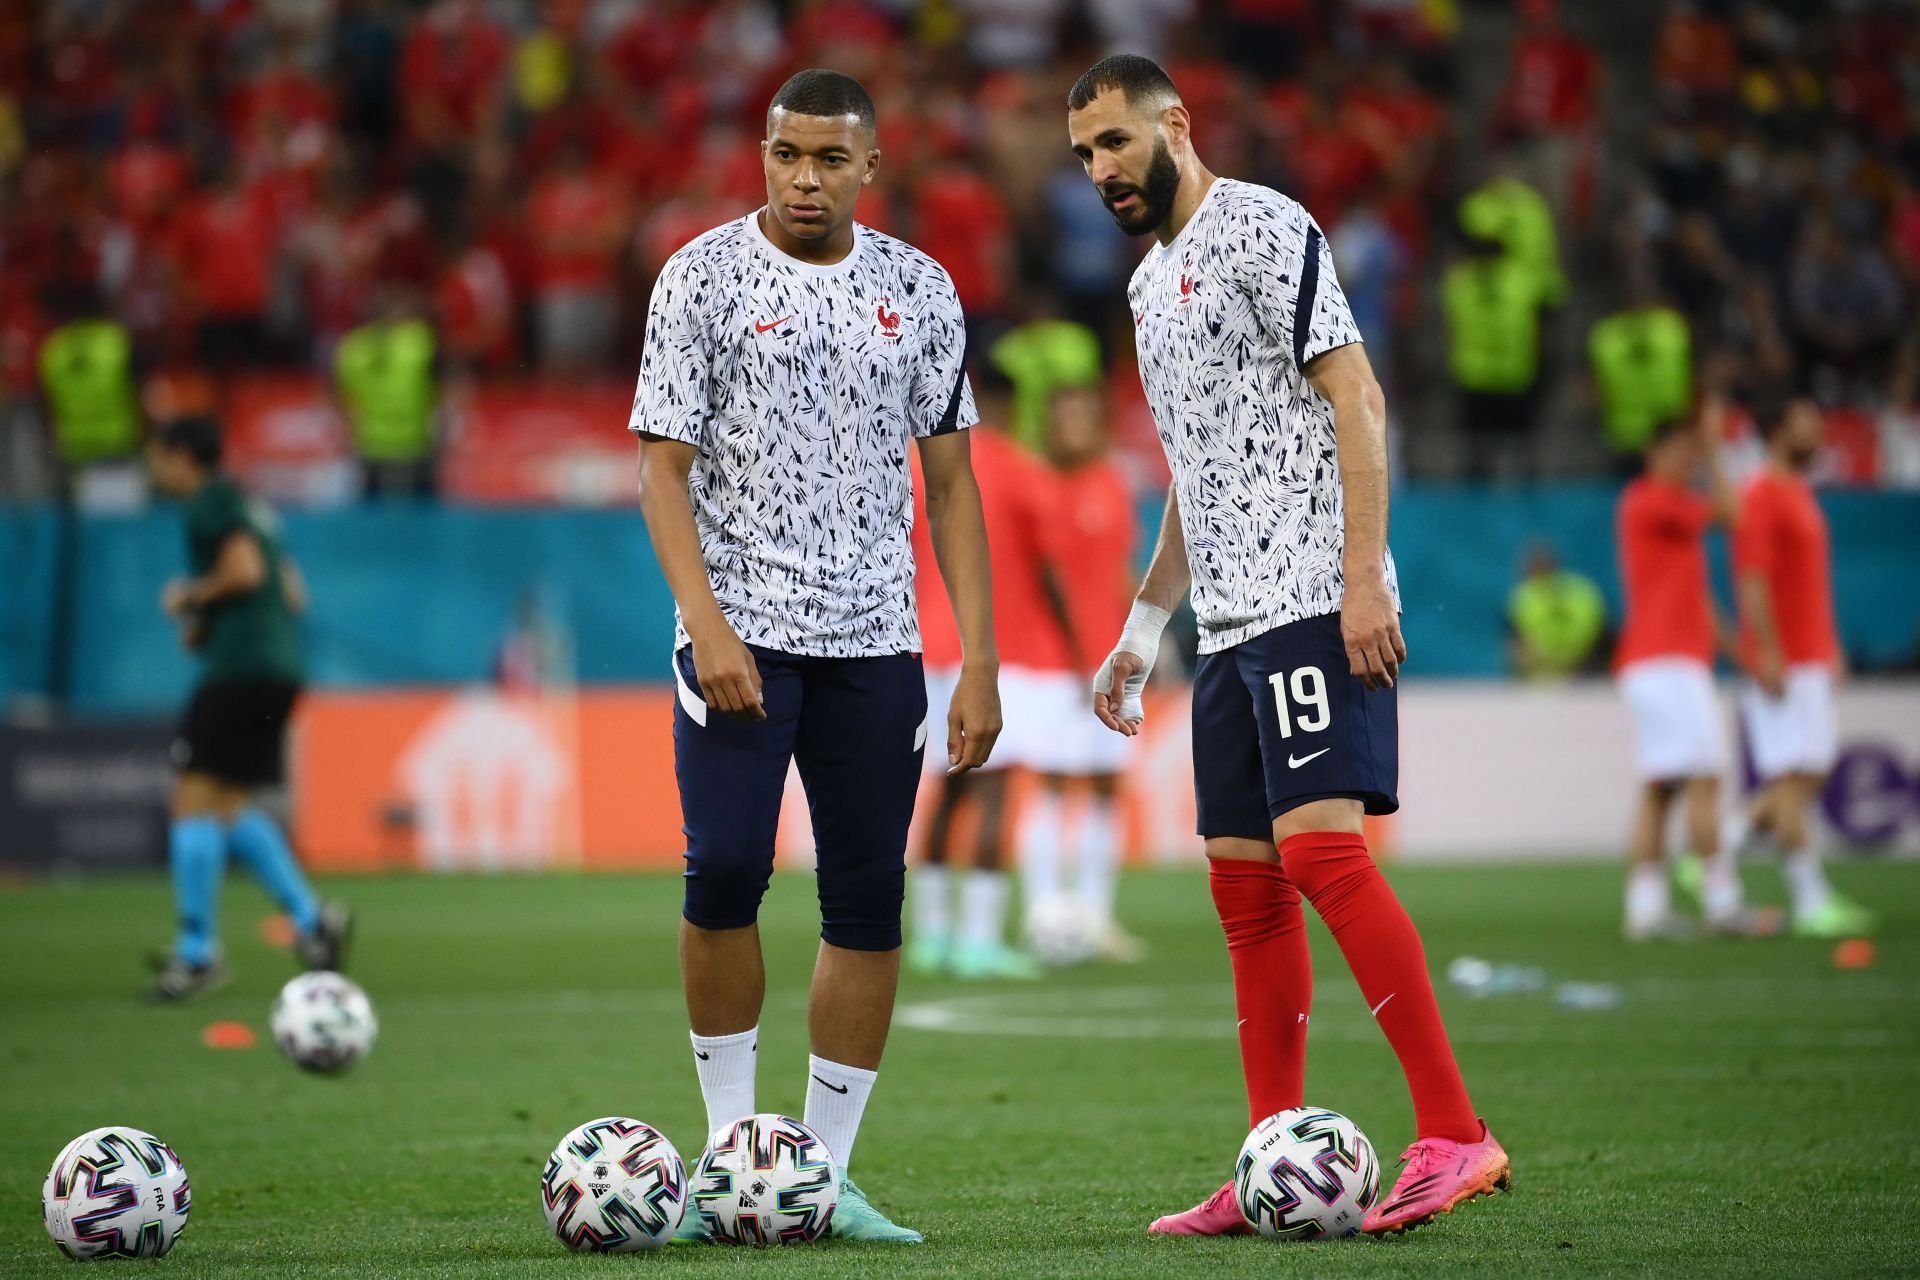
<point x="1383" y="949"/>
<point x="1272" y="979"/>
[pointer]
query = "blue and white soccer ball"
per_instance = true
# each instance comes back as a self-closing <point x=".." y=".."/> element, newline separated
<point x="323" y="1021"/>
<point x="1306" y="1174"/>
<point x="766" y="1180"/>
<point x="117" y="1192"/>
<point x="614" y="1185"/>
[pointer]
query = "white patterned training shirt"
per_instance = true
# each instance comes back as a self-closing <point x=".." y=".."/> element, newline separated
<point x="1226" y="317"/>
<point x="802" y="387"/>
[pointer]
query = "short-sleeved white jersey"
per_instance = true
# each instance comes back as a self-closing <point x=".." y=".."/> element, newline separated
<point x="802" y="387"/>
<point x="1226" y="317"/>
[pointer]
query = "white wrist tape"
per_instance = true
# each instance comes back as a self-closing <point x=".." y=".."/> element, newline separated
<point x="1141" y="638"/>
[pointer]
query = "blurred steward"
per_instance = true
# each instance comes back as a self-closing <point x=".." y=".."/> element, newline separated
<point x="1558" y="619"/>
<point x="389" y="388"/>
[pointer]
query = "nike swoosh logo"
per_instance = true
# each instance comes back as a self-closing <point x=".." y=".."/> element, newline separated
<point x="1375" y="1011"/>
<point x="704" y="1057"/>
<point x="762" y="328"/>
<point x="1294" y="762"/>
<point x="837" y="1088"/>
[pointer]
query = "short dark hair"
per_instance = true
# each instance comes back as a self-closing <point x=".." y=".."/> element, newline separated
<point x="820" y="92"/>
<point x="1137" y="77"/>
<point x="1770" y="410"/>
<point x="197" y="436"/>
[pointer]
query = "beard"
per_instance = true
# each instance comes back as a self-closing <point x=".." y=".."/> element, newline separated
<point x="1156" y="197"/>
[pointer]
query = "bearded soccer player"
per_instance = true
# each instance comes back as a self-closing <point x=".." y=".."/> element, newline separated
<point x="1664" y="666"/>
<point x="792" y="357"/>
<point x="1273" y="426"/>
<point x="1790" y="649"/>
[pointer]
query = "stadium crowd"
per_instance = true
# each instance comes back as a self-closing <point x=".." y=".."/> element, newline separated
<point x="388" y="193"/>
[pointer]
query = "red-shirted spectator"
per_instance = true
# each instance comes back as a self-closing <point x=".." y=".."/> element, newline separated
<point x="225" y="241"/>
<point x="451" y="74"/>
<point x="960" y="221"/>
<point x="474" y="306"/>
<point x="576" y="219"/>
<point x="1694" y="57"/>
<point x="1553" y="78"/>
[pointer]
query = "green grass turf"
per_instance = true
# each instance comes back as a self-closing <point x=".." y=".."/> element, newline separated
<point x="1748" y="1110"/>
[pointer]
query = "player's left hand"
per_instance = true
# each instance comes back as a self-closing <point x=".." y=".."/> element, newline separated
<point x="973" y="720"/>
<point x="1371" y="629"/>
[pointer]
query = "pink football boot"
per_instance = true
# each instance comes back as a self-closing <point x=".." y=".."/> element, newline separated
<point x="1440" y="1174"/>
<point x="1217" y="1215"/>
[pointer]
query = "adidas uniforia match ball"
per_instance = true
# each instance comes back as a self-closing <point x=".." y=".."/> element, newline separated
<point x="116" y="1192"/>
<point x="765" y="1180"/>
<point x="323" y="1021"/>
<point x="1306" y="1174"/>
<point x="614" y="1185"/>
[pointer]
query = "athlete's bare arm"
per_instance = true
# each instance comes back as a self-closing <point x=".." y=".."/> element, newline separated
<point x="293" y="586"/>
<point x="1369" y="623"/>
<point x="1720" y="490"/>
<point x="240" y="568"/>
<point x="1168" y="577"/>
<point x="959" y="533"/>
<point x="1756" y="610"/>
<point x="729" y="679"/>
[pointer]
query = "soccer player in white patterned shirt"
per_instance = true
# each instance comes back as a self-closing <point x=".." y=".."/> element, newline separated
<point x="791" y="357"/>
<point x="1274" y="430"/>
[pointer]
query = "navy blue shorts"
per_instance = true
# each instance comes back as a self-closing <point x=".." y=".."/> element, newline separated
<point x="856" y="727"/>
<point x="1279" y="721"/>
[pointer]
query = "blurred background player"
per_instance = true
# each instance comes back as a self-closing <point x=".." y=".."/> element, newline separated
<point x="1031" y="623"/>
<point x="1664" y="665"/>
<point x="1275" y="430"/>
<point x="793" y="359"/>
<point x="1069" y="871"/>
<point x="237" y="610"/>
<point x="1791" y="651"/>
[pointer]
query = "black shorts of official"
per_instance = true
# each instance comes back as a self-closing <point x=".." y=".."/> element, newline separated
<point x="856" y="728"/>
<point x="1280" y="721"/>
<point x="236" y="731"/>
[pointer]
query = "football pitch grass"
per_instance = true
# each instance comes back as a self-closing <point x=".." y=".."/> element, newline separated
<point x="1747" y="1109"/>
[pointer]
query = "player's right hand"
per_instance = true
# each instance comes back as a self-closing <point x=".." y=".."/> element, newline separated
<point x="1116" y="692"/>
<point x="729" y="677"/>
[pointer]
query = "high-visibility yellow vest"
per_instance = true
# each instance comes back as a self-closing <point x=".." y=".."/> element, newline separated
<point x="86" y="369"/>
<point x="1559" y="616"/>
<point x="1513" y="213"/>
<point x="1493" y="325"/>
<point x="1643" y="369"/>
<point x="385" y="371"/>
<point x="1039" y="358"/>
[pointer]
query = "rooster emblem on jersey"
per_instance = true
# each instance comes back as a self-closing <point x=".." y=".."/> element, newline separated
<point x="889" y="321"/>
<point x="1186" y="288"/>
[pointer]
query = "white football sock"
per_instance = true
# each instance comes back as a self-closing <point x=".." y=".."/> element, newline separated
<point x="1099" y="857"/>
<point x="726" y="1065"/>
<point x="1038" y="841"/>
<point x="983" y="909"/>
<point x="931" y="919"/>
<point x="1649" y="899"/>
<point x="836" y="1099"/>
<point x="1806" y="880"/>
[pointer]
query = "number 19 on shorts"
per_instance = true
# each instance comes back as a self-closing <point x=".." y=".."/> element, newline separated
<point x="1308" y="688"/>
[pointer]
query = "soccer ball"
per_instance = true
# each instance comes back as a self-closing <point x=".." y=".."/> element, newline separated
<point x="614" y="1186"/>
<point x="116" y="1192"/>
<point x="764" y="1180"/>
<point x="323" y="1021"/>
<point x="1306" y="1174"/>
<point x="1061" y="932"/>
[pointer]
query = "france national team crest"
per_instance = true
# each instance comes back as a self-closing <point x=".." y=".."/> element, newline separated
<point x="888" y="322"/>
